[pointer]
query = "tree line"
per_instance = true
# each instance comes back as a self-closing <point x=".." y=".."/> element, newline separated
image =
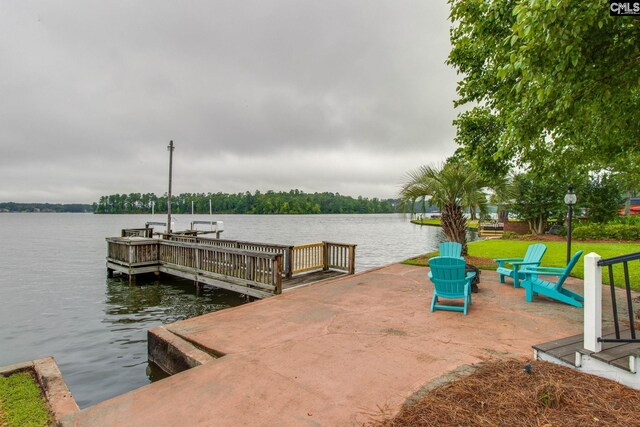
<point x="271" y="202"/>
<point x="45" y="207"/>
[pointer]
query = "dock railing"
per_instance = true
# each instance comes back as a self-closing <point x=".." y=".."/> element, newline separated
<point x="137" y="232"/>
<point x="340" y="256"/>
<point x="490" y="229"/>
<point x="256" y="269"/>
<point x="324" y="256"/>
<point x="308" y="258"/>
<point x="270" y="248"/>
<point x="295" y="259"/>
<point x="132" y="252"/>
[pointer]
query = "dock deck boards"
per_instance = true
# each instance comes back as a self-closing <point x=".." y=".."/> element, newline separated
<point x="309" y="278"/>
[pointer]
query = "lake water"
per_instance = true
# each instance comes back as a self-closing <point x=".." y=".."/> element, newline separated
<point x="55" y="298"/>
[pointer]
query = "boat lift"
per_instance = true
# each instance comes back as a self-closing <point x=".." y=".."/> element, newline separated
<point x="216" y="227"/>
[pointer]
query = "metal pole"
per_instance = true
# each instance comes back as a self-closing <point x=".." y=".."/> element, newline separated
<point x="170" y="148"/>
<point x="569" y="234"/>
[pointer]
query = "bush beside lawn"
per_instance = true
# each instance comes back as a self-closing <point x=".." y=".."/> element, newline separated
<point x="607" y="231"/>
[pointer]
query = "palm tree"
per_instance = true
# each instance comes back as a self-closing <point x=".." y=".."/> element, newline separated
<point x="475" y="201"/>
<point x="451" y="187"/>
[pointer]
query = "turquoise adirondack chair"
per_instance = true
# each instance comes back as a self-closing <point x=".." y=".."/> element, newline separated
<point x="450" y="280"/>
<point x="534" y="285"/>
<point x="531" y="258"/>
<point x="450" y="249"/>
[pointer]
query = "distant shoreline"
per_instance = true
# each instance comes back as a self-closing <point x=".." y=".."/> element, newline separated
<point x="197" y="213"/>
<point x="44" y="212"/>
<point x="13" y="207"/>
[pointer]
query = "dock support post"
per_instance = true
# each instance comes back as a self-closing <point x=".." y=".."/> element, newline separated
<point x="288" y="263"/>
<point x="109" y="273"/>
<point x="325" y="256"/>
<point x="278" y="274"/>
<point x="352" y="260"/>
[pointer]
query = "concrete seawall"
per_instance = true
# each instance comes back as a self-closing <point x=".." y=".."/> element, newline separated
<point x="174" y="354"/>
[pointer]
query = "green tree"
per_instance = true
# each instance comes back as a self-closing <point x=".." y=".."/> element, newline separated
<point x="602" y="197"/>
<point x="535" y="198"/>
<point x="447" y="187"/>
<point x="556" y="78"/>
<point x="478" y="131"/>
<point x="475" y="202"/>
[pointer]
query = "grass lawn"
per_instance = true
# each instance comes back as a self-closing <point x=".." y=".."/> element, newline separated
<point x="482" y="252"/>
<point x="21" y="402"/>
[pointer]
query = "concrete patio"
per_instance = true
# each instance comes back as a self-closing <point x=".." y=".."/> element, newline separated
<point x="338" y="353"/>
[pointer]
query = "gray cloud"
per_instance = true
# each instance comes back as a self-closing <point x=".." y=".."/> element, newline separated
<point x="339" y="96"/>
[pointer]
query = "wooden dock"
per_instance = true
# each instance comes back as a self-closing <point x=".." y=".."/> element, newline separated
<point x="490" y="229"/>
<point x="256" y="269"/>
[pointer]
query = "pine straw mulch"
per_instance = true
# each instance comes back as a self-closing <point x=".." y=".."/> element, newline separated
<point x="501" y="393"/>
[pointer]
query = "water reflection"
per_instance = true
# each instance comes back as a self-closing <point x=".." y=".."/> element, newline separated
<point x="167" y="300"/>
<point x="155" y="373"/>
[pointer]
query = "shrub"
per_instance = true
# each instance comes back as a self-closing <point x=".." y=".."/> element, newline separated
<point x="627" y="219"/>
<point x="588" y="232"/>
<point x="509" y="235"/>
<point x="530" y="237"/>
<point x="607" y="231"/>
<point x="623" y="232"/>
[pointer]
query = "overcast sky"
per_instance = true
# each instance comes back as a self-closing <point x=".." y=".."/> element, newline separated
<point x="320" y="95"/>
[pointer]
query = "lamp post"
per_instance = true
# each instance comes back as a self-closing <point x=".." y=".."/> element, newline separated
<point x="570" y="199"/>
<point x="170" y="148"/>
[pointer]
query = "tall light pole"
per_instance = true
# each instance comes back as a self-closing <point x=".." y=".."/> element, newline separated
<point x="170" y="148"/>
<point x="570" y="199"/>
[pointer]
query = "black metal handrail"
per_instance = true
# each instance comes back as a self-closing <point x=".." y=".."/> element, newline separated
<point x="610" y="262"/>
<point x="619" y="259"/>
